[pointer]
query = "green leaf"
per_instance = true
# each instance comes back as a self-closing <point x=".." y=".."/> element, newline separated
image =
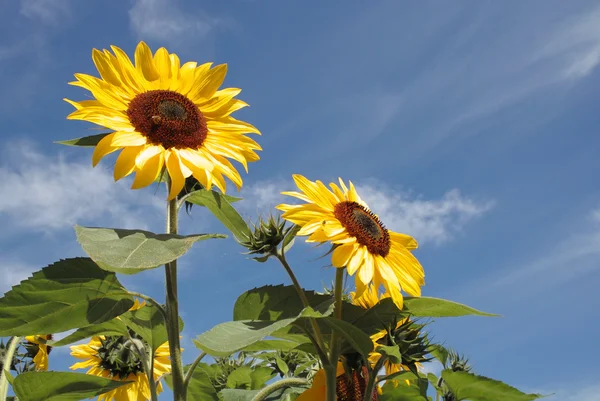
<point x="227" y="338"/>
<point x="439" y="352"/>
<point x="68" y="294"/>
<point x="352" y="335"/>
<point x="132" y="251"/>
<point x="436" y="307"/>
<point x="288" y="241"/>
<point x="61" y="386"/>
<point x="222" y="210"/>
<point x="113" y="327"/>
<point x="248" y="395"/>
<point x="268" y="345"/>
<point x="416" y="391"/>
<point x="87" y="141"/>
<point x="149" y="323"/>
<point x="392" y="351"/>
<point x="467" y="386"/>
<point x="249" y="378"/>
<point x="200" y="387"/>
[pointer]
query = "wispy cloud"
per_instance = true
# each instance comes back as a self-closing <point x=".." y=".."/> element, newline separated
<point x="166" y="20"/>
<point x="12" y="272"/>
<point x="428" y="220"/>
<point x="46" y="193"/>
<point x="48" y="11"/>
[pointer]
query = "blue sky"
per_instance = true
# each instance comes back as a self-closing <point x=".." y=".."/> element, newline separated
<point x="471" y="125"/>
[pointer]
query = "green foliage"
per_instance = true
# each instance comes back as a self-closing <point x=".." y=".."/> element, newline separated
<point x="61" y="386"/>
<point x="221" y="208"/>
<point x="133" y="251"/>
<point x="86" y="141"/>
<point x="249" y="378"/>
<point x="416" y="391"/>
<point x="68" y="294"/>
<point x="436" y="307"/>
<point x="113" y="327"/>
<point x="467" y="386"/>
<point x="149" y="324"/>
<point x="285" y="394"/>
<point x="227" y="338"/>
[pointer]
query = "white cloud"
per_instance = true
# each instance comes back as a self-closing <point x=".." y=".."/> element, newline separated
<point x="12" y="272"/>
<point x="49" y="11"/>
<point x="46" y="193"/>
<point x="428" y="220"/>
<point x="164" y="20"/>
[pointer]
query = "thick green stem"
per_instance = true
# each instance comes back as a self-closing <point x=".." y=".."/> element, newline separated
<point x="372" y="378"/>
<point x="265" y="392"/>
<point x="172" y="309"/>
<point x="334" y="347"/>
<point x="146" y="356"/>
<point x="190" y="372"/>
<point x="10" y="352"/>
<point x="320" y="342"/>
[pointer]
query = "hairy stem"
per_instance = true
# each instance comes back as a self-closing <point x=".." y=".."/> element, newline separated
<point x="190" y="372"/>
<point x="372" y="378"/>
<point x="334" y="347"/>
<point x="172" y="310"/>
<point x="13" y="343"/>
<point x="265" y="392"/>
<point x="320" y="342"/>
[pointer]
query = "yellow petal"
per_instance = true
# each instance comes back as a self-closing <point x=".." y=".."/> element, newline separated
<point x="126" y="161"/>
<point x="342" y="254"/>
<point x="147" y="172"/>
<point x="405" y="240"/>
<point x="356" y="261"/>
<point x="104" y="148"/>
<point x="144" y="62"/>
<point x="122" y="139"/>
<point x="173" y="164"/>
<point x="365" y="274"/>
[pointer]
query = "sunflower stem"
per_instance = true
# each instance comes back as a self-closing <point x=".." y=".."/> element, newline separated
<point x="147" y="359"/>
<point x="11" y="347"/>
<point x="372" y="378"/>
<point x="190" y="372"/>
<point x="288" y="382"/>
<point x="334" y="347"/>
<point x="172" y="309"/>
<point x="320" y="342"/>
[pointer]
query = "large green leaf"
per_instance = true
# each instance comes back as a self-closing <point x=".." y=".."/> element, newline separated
<point x="227" y="338"/>
<point x="86" y="141"/>
<point x="61" y="386"/>
<point x="249" y="378"/>
<point x="132" y="251"/>
<point x="436" y="307"/>
<point x="467" y="386"/>
<point x="400" y="391"/>
<point x="113" y="327"/>
<point x="222" y="210"/>
<point x="353" y="336"/>
<point x="248" y="395"/>
<point x="68" y="294"/>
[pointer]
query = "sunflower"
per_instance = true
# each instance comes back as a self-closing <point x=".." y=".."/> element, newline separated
<point x="165" y="116"/>
<point x="369" y="299"/>
<point x="110" y="357"/>
<point x="318" y="388"/>
<point x="37" y="344"/>
<point x="362" y="243"/>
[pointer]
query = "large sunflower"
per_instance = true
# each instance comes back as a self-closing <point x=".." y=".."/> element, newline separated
<point x="362" y="243"/>
<point x="164" y="114"/>
<point x="37" y="344"/>
<point x="99" y="356"/>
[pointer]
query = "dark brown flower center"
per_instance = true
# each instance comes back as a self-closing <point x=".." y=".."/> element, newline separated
<point x="362" y="224"/>
<point x="168" y="118"/>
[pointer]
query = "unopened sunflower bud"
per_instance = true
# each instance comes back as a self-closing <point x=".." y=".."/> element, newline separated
<point x="412" y="343"/>
<point x="265" y="237"/>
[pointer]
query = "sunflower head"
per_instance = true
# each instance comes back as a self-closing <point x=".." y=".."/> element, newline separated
<point x="362" y="244"/>
<point x="266" y="236"/>
<point x="119" y="355"/>
<point x="165" y="117"/>
<point x="38" y="351"/>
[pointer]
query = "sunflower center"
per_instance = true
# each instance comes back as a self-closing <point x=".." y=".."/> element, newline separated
<point x="168" y="118"/>
<point x="363" y="225"/>
<point x="118" y="355"/>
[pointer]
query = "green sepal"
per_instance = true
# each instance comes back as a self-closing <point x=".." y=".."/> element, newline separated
<point x="133" y="251"/>
<point x="86" y="141"/>
<point x="66" y="295"/>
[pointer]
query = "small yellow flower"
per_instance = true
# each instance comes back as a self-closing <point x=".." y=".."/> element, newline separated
<point x="165" y="115"/>
<point x="96" y="357"/>
<point x="362" y="243"/>
<point x="40" y="360"/>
